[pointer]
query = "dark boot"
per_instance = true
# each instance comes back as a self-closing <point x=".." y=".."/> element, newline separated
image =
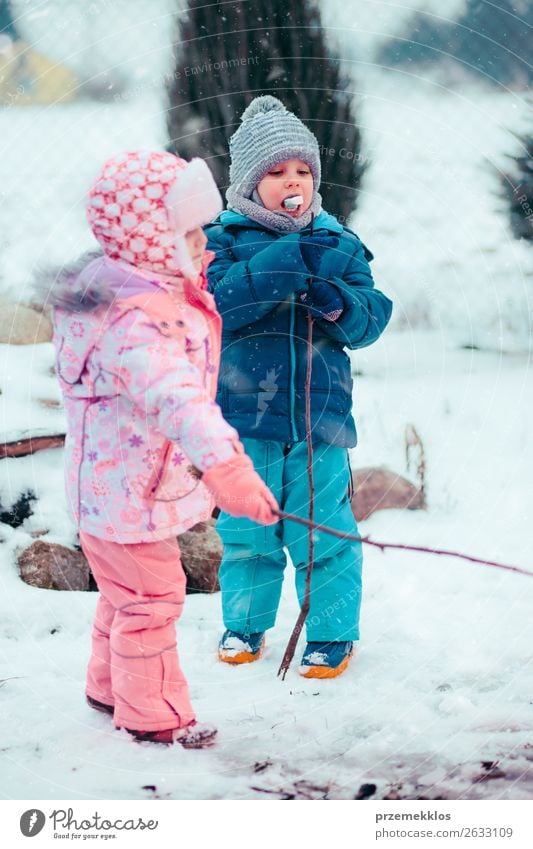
<point x="99" y="705"/>
<point x="193" y="736"/>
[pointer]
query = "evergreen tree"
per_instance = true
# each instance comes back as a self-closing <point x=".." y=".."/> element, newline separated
<point x="490" y="39"/>
<point x="518" y="190"/>
<point x="228" y="53"/>
<point x="7" y="25"/>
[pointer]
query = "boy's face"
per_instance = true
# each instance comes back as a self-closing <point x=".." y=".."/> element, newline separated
<point x="289" y="178"/>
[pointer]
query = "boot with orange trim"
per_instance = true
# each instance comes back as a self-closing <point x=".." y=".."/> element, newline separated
<point x="237" y="648"/>
<point x="326" y="660"/>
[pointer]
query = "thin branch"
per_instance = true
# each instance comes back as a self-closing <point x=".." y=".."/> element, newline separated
<point x="300" y="622"/>
<point x="401" y="546"/>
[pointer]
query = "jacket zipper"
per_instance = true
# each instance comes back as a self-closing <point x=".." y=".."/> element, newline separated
<point x="158" y="473"/>
<point x="292" y="372"/>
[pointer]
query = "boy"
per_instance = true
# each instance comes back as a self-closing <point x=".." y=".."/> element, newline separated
<point x="278" y="256"/>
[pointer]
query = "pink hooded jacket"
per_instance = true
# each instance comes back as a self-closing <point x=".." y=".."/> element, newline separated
<point x="137" y="358"/>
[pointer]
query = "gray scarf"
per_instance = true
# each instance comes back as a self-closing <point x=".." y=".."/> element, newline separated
<point x="280" y="221"/>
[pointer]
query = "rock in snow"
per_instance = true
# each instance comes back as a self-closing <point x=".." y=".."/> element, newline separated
<point x="201" y="553"/>
<point x="50" y="566"/>
<point x="378" y="489"/>
<point x="20" y="325"/>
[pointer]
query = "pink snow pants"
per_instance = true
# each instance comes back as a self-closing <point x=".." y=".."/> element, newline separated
<point x="134" y="663"/>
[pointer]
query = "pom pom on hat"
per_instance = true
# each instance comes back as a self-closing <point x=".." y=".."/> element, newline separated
<point x="265" y="103"/>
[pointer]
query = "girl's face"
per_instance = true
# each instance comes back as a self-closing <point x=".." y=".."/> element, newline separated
<point x="196" y="242"/>
<point x="289" y="178"/>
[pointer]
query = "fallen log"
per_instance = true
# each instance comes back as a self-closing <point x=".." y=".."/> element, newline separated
<point x="30" y="444"/>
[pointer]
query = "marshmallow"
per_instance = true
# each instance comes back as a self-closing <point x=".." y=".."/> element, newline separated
<point x="292" y="203"/>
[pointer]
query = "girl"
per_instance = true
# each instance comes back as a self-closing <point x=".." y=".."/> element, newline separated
<point x="147" y="451"/>
<point x="278" y="257"/>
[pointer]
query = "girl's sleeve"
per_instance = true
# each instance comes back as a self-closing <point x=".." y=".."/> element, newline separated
<point x="155" y="373"/>
<point x="245" y="291"/>
<point x="366" y="310"/>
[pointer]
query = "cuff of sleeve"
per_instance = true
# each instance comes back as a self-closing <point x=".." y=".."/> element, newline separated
<point x="226" y="449"/>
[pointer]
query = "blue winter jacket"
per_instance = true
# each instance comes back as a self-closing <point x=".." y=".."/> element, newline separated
<point x="254" y="277"/>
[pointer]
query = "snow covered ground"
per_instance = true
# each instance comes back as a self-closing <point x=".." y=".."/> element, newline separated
<point x="443" y="676"/>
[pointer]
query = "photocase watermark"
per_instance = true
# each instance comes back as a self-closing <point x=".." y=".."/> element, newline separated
<point x="66" y="826"/>
<point x="185" y="72"/>
<point x="525" y="204"/>
<point x="223" y="65"/>
<point x="32" y="822"/>
<point x="341" y="218"/>
<point x="342" y="603"/>
<point x="344" y="153"/>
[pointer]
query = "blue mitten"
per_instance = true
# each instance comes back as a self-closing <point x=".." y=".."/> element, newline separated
<point x="313" y="246"/>
<point x="322" y="301"/>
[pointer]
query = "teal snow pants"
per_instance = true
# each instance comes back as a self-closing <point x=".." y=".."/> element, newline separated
<point x="251" y="571"/>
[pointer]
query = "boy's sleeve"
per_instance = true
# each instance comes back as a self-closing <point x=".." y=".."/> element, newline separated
<point x="156" y="374"/>
<point x="366" y="310"/>
<point x="246" y="291"/>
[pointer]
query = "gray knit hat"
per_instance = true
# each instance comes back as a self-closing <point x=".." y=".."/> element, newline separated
<point x="269" y="134"/>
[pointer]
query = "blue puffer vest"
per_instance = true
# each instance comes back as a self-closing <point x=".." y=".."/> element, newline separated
<point x="254" y="278"/>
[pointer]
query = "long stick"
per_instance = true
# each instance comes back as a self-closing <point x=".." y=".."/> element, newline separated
<point x="398" y="545"/>
<point x="304" y="610"/>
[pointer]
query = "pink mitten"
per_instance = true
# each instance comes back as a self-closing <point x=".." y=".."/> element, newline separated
<point x="238" y="490"/>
